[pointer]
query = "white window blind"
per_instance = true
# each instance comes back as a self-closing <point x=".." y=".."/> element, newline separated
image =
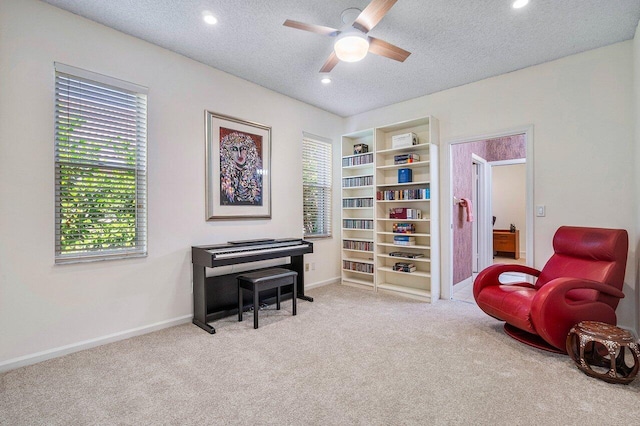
<point x="100" y="167"/>
<point x="316" y="184"/>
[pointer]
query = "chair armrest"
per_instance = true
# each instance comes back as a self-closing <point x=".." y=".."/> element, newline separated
<point x="490" y="275"/>
<point x="553" y="316"/>
<point x="559" y="287"/>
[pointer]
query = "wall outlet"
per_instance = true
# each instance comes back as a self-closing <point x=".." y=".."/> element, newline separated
<point x="313" y="266"/>
<point x="541" y="211"/>
<point x="306" y="267"/>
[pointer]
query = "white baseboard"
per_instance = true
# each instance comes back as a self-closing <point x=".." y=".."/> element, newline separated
<point x="462" y="284"/>
<point x="322" y="283"/>
<point x="35" y="358"/>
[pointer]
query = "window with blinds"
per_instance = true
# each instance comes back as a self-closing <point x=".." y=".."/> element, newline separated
<point x="100" y="167"/>
<point x="316" y="186"/>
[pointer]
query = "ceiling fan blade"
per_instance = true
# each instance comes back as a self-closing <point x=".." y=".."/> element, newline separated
<point x="388" y="50"/>
<point x="330" y="63"/>
<point x="318" y="29"/>
<point x="372" y="14"/>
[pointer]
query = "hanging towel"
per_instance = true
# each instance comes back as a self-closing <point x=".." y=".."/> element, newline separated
<point x="466" y="203"/>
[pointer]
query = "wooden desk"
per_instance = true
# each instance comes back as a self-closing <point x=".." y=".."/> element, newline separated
<point x="506" y="243"/>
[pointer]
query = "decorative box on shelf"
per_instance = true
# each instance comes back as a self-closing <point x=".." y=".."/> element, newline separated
<point x="405" y="175"/>
<point x="360" y="148"/>
<point x="404" y="140"/>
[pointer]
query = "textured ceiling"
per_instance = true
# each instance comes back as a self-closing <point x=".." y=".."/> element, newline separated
<point x="453" y="42"/>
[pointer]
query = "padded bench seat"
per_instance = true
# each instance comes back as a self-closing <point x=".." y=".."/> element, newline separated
<point x="266" y="279"/>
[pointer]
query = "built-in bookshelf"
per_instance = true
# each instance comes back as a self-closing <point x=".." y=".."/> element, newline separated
<point x="358" y="204"/>
<point x="390" y="238"/>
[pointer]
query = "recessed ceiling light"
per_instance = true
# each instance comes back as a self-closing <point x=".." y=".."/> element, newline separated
<point x="209" y="18"/>
<point x="519" y="3"/>
<point x="325" y="80"/>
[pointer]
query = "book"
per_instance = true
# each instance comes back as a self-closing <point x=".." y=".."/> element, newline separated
<point x="406" y="254"/>
<point x="404" y="213"/>
<point x="404" y="228"/>
<point x="404" y="243"/>
<point x="406" y="238"/>
<point x="405" y="158"/>
<point x="404" y="267"/>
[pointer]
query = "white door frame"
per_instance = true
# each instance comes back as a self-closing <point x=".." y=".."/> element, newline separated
<point x="447" y="202"/>
<point x="482" y="252"/>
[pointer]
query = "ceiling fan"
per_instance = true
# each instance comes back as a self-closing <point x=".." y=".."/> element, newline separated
<point x="353" y="43"/>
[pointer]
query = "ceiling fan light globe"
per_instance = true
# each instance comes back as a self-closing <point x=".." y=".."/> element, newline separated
<point x="351" y="47"/>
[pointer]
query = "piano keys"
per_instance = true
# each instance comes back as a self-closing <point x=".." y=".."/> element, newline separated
<point x="216" y="296"/>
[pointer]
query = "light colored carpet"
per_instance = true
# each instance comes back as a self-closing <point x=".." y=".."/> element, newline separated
<point x="350" y="357"/>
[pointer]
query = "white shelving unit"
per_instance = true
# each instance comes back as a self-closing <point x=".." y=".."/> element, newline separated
<point x="373" y="247"/>
<point x="358" y="202"/>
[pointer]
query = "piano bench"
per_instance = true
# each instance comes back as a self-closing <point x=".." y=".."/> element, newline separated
<point x="266" y="279"/>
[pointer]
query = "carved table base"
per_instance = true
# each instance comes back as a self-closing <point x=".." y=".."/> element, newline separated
<point x="596" y="344"/>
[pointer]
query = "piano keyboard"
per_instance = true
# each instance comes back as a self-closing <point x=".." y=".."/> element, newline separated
<point x="228" y="252"/>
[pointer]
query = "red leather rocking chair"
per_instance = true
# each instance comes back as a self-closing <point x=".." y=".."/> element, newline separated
<point x="582" y="281"/>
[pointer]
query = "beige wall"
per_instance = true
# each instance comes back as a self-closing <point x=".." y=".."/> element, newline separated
<point x="44" y="307"/>
<point x="583" y="160"/>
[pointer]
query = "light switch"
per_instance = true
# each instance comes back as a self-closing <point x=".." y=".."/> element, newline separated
<point x="541" y="211"/>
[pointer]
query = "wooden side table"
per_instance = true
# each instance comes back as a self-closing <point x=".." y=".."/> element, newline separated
<point x="598" y="344"/>
<point x="507" y="242"/>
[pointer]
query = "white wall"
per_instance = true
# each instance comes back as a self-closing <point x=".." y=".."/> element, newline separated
<point x="583" y="142"/>
<point x="43" y="306"/>
<point x="509" y="198"/>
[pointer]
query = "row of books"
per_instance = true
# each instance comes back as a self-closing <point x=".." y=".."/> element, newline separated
<point x="357" y="266"/>
<point x="404" y="228"/>
<point x="404" y="213"/>
<point x="357" y="202"/>
<point x="357" y="223"/>
<point x="405" y="194"/>
<point x="351" y="182"/>
<point x="357" y="160"/>
<point x="358" y="245"/>
<point x="405" y="158"/>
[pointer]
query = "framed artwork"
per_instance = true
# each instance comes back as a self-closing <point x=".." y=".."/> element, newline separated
<point x="238" y="166"/>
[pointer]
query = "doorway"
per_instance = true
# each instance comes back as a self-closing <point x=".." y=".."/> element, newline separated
<point x="508" y="204"/>
<point x="468" y="245"/>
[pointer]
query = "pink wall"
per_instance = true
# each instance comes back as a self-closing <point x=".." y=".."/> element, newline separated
<point x="506" y="148"/>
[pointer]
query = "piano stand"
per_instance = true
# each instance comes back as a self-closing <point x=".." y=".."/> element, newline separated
<point x="203" y="325"/>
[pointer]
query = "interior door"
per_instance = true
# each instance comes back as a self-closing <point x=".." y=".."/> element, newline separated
<point x="474" y="225"/>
